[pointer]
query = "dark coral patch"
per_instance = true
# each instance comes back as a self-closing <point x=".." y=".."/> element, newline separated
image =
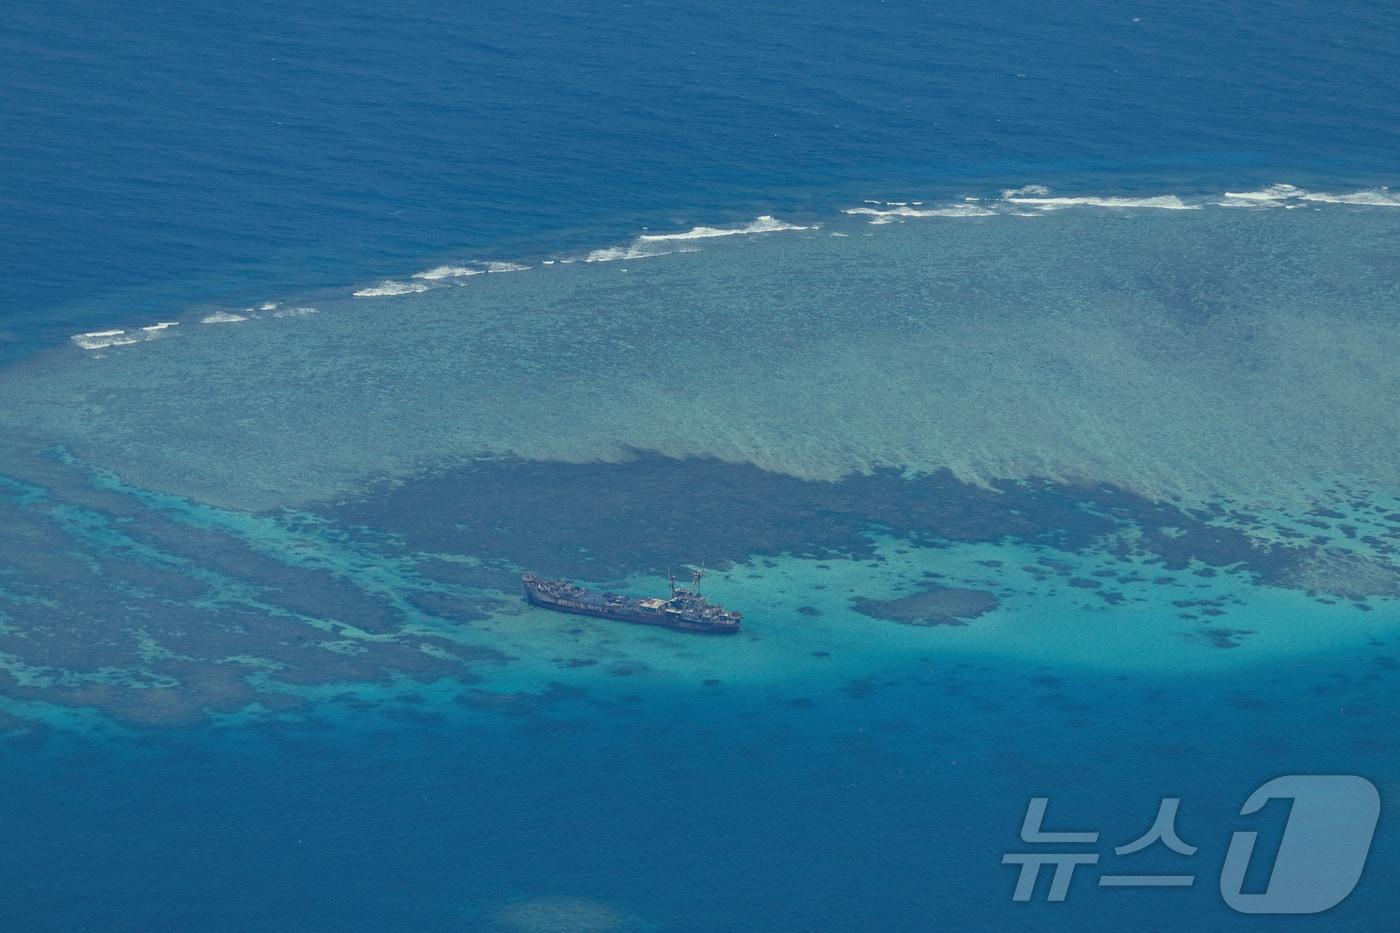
<point x="1220" y="637"/>
<point x="605" y="521"/>
<point x="940" y="605"/>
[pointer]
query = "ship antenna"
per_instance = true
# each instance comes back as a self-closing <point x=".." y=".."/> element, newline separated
<point x="672" y="577"/>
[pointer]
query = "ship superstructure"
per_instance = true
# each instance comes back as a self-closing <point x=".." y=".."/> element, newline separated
<point x="686" y="610"/>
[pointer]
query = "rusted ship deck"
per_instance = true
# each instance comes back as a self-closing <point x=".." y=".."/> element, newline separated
<point x="686" y="610"/>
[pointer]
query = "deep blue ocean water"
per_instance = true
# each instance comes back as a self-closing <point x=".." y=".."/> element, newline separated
<point x="163" y="158"/>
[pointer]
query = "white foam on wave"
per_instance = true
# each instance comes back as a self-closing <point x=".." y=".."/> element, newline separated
<point x="99" y="339"/>
<point x="1025" y="201"/>
<point x="886" y="214"/>
<point x="102" y="339"/>
<point x="390" y="287"/>
<point x="763" y="224"/>
<point x="1376" y="197"/>
<point x="635" y="250"/>
<point x="1272" y="196"/>
<point x="438" y="273"/>
<point x="1039" y="197"/>
<point x="1291" y="196"/>
<point x="296" y="312"/>
<point x="1034" y="200"/>
<point x="445" y="272"/>
<point x="222" y="317"/>
<point x="267" y="306"/>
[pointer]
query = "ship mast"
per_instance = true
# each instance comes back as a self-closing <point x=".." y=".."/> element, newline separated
<point x="695" y="581"/>
<point x="672" y="577"/>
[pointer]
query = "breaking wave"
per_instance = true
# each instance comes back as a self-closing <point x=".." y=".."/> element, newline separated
<point x="763" y="224"/>
<point x="633" y="251"/>
<point x="441" y="273"/>
<point x="222" y="317"/>
<point x="447" y="272"/>
<point x="1039" y="197"/>
<point x="1286" y="196"/>
<point x="102" y="339"/>
<point x="391" y="287"/>
<point x="647" y="245"/>
<point x="893" y="210"/>
<point x="1032" y="200"/>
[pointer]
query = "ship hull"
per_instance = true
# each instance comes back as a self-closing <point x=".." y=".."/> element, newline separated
<point x="626" y="611"/>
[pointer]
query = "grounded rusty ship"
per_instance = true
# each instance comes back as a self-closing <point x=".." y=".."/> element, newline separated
<point x="686" y="610"/>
